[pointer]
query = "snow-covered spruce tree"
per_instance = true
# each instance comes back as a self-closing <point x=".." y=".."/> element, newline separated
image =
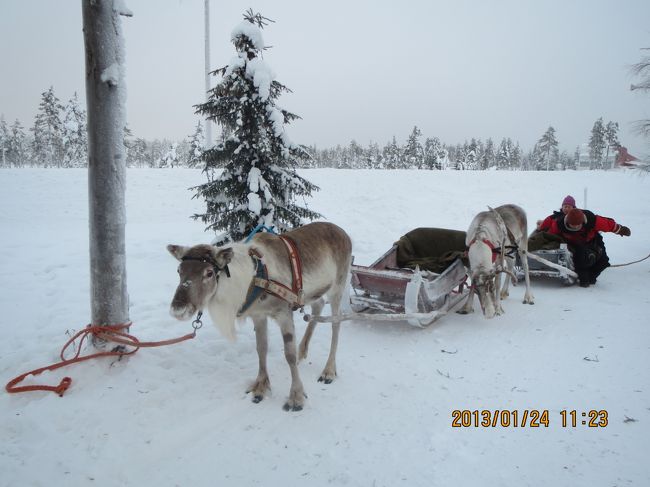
<point x="433" y="153"/>
<point x="170" y="157"/>
<point x="597" y="145"/>
<point x="4" y="142"/>
<point x="197" y="146"/>
<point x="47" y="145"/>
<point x="611" y="139"/>
<point x="75" y="138"/>
<point x="413" y="153"/>
<point x="16" y="148"/>
<point x="259" y="183"/>
<point x="392" y="154"/>
<point x="548" y="148"/>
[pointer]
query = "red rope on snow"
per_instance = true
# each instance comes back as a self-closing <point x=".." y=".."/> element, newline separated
<point x="110" y="333"/>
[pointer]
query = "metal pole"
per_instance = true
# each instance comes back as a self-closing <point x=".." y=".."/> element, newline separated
<point x="208" y="123"/>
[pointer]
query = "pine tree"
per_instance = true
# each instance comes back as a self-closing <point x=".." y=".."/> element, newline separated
<point x="393" y="156"/>
<point x="373" y="155"/>
<point x="16" y="147"/>
<point x="611" y="139"/>
<point x="75" y="140"/>
<point x="434" y="153"/>
<point x="197" y="146"/>
<point x="170" y="157"/>
<point x="487" y="157"/>
<point x="471" y="155"/>
<point x="355" y="152"/>
<point x="503" y="155"/>
<point x="575" y="163"/>
<point x="47" y="146"/>
<point x="515" y="156"/>
<point x="597" y="145"/>
<point x="413" y="152"/>
<point x="259" y="183"/>
<point x="4" y="142"/>
<point x="548" y="147"/>
<point x="138" y="153"/>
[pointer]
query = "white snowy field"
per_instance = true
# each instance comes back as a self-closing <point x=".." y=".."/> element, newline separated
<point x="179" y="415"/>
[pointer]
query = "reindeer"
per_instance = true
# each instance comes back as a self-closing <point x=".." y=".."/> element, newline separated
<point x="492" y="239"/>
<point x="268" y="278"/>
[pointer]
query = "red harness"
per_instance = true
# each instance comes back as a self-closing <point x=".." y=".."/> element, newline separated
<point x="495" y="250"/>
<point x="261" y="282"/>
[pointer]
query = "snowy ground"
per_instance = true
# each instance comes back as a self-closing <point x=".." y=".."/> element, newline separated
<point x="179" y="415"/>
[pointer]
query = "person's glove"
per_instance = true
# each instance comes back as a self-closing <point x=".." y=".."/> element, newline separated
<point x="624" y="231"/>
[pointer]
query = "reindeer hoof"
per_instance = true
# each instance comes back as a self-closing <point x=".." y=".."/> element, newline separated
<point x="257" y="399"/>
<point x="289" y="407"/>
<point x="327" y="376"/>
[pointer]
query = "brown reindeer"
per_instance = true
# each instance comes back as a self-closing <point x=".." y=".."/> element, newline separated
<point x="230" y="283"/>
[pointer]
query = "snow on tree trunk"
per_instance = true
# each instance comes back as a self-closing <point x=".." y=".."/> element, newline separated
<point x="105" y="96"/>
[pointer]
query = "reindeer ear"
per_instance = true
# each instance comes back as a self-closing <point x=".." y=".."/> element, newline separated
<point x="223" y="257"/>
<point x="177" y="251"/>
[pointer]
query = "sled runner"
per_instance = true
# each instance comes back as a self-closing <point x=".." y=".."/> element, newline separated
<point x="418" y="280"/>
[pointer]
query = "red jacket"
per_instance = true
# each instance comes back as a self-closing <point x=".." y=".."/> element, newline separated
<point x="589" y="230"/>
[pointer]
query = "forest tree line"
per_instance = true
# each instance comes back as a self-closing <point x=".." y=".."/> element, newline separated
<point x="57" y="138"/>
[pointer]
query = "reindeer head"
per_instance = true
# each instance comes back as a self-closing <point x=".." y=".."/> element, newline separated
<point x="485" y="287"/>
<point x="200" y="269"/>
<point x="483" y="272"/>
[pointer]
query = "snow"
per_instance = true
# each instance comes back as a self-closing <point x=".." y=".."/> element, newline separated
<point x="254" y="203"/>
<point x="236" y="62"/>
<point x="111" y="75"/>
<point x="179" y="415"/>
<point x="246" y="28"/>
<point x="262" y="76"/>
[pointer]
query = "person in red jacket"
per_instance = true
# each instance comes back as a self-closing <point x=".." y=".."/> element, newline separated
<point x="568" y="204"/>
<point x="581" y="230"/>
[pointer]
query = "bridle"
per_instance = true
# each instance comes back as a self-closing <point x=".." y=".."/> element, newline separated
<point x="214" y="265"/>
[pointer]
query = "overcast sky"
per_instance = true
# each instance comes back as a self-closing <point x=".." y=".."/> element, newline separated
<point x="362" y="70"/>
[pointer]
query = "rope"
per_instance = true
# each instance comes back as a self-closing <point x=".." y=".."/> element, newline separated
<point x="630" y="263"/>
<point x="109" y="333"/>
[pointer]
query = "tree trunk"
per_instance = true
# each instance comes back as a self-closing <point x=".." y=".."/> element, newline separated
<point x="105" y="98"/>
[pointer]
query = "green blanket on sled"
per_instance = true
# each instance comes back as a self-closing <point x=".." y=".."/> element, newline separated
<point x="543" y="241"/>
<point x="433" y="249"/>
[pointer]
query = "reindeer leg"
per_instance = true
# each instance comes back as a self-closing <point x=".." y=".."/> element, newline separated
<point x="468" y="307"/>
<point x="296" y="398"/>
<point x="261" y="384"/>
<point x="504" y="290"/>
<point x="316" y="308"/>
<point x="329" y="372"/>
<point x="528" y="296"/>
<point x="498" y="309"/>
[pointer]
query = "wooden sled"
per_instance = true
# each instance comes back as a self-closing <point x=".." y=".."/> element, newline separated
<point x="386" y="291"/>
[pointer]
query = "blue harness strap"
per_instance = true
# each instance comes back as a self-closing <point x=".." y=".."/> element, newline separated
<point x="257" y="229"/>
<point x="254" y="291"/>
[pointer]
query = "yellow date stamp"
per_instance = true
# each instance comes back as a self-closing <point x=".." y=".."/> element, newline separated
<point x="527" y="418"/>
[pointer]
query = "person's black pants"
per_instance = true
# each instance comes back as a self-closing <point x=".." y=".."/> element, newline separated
<point x="590" y="259"/>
